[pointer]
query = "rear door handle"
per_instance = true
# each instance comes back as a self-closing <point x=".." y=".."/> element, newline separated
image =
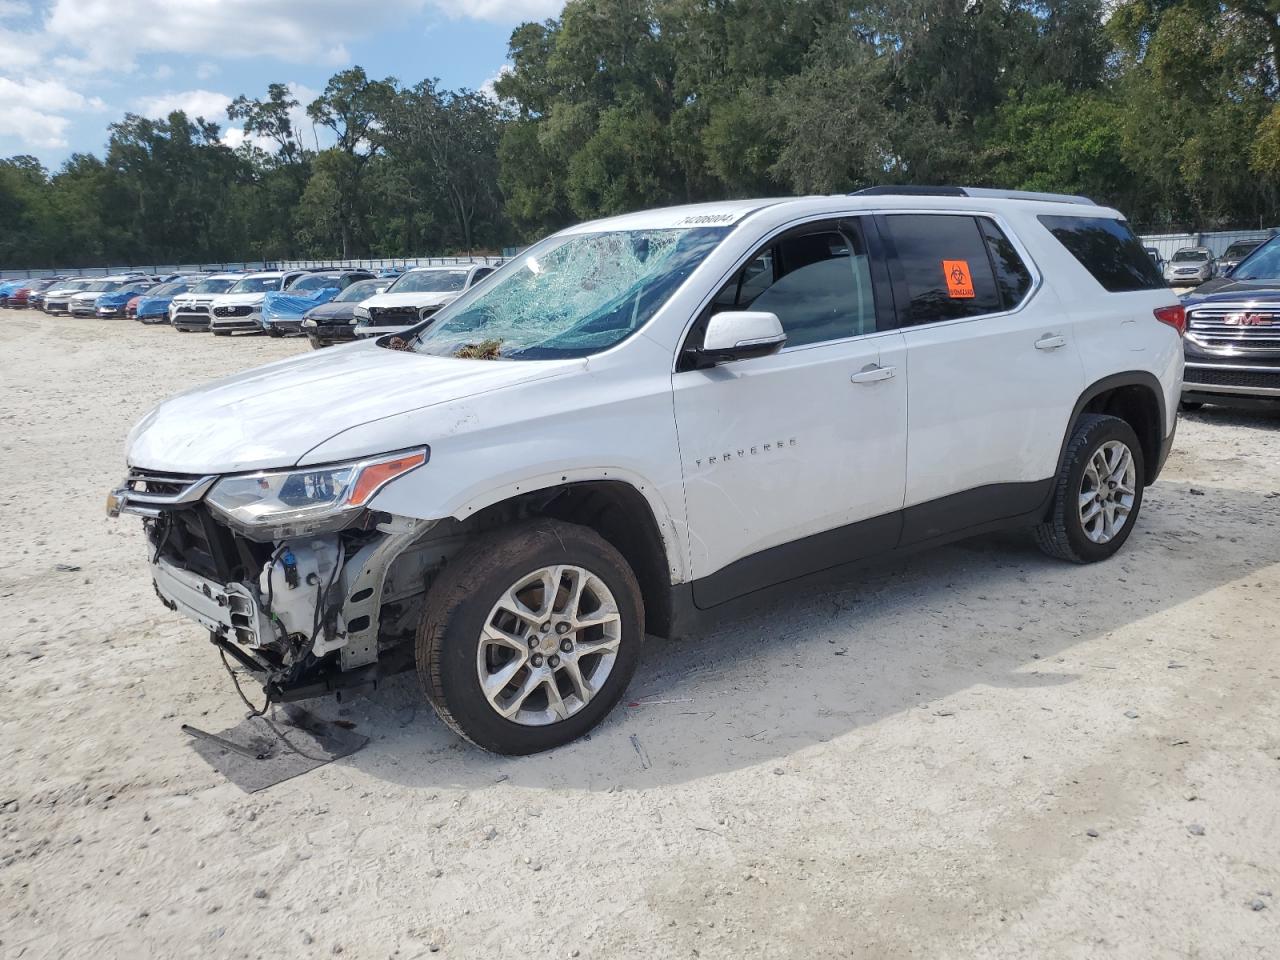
<point x="874" y="373"/>
<point x="1051" y="342"/>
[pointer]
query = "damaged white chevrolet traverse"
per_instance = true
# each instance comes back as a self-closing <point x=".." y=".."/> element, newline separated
<point x="642" y="421"/>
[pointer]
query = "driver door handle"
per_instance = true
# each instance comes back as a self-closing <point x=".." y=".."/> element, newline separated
<point x="1051" y="341"/>
<point x="874" y="373"/>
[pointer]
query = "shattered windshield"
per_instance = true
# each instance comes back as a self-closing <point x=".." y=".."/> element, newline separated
<point x="430" y="281"/>
<point x="570" y="296"/>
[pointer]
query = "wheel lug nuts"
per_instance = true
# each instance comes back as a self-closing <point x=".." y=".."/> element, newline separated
<point x="536" y="659"/>
<point x="566" y="645"/>
<point x="562" y="627"/>
<point x="554" y="661"/>
<point x="533" y="641"/>
<point x="545" y="627"/>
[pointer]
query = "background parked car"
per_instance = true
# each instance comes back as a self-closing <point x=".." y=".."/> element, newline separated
<point x="1158" y="260"/>
<point x="1235" y="253"/>
<point x="1232" y="346"/>
<point x="190" y="311"/>
<point x="414" y="297"/>
<point x="1189" y="266"/>
<point x="334" y="322"/>
<point x="239" y="310"/>
<point x="58" y="298"/>
<point x="37" y="290"/>
<point x="85" y="303"/>
<point x="113" y="302"/>
<point x="153" y="306"/>
<point x="282" y="310"/>
<point x="8" y="288"/>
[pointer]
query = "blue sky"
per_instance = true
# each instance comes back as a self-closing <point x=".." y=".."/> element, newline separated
<point x="68" y="68"/>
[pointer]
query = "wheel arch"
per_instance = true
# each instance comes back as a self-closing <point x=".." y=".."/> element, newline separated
<point x="621" y="511"/>
<point x="1137" y="398"/>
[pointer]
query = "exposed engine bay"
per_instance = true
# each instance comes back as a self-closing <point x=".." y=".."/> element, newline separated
<point x="308" y="614"/>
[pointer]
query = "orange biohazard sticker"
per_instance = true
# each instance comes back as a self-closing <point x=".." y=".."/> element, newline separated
<point x="959" y="284"/>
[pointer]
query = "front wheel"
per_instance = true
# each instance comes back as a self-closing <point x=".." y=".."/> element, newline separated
<point x="1097" y="494"/>
<point x="529" y="636"/>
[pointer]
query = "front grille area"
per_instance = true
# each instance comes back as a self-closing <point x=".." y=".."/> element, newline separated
<point x="392" y="316"/>
<point x="1263" y="379"/>
<point x="237" y="311"/>
<point x="1235" y="330"/>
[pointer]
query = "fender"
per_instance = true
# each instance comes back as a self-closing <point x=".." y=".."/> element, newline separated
<point x="669" y="529"/>
<point x="1130" y="378"/>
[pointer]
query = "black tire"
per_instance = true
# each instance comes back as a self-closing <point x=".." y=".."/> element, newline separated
<point x="1063" y="535"/>
<point x="459" y="602"/>
<point x="1190" y="406"/>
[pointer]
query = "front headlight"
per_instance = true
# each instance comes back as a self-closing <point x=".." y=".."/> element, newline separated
<point x="362" y="313"/>
<point x="279" y="504"/>
<point x="308" y="322"/>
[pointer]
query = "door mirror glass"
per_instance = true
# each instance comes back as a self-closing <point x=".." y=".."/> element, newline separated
<point x="741" y="334"/>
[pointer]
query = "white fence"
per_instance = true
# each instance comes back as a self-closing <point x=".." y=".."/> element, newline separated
<point x="1217" y="241"/>
<point x="161" y="269"/>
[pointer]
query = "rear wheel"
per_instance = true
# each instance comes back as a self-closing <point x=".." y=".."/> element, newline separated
<point x="1098" y="492"/>
<point x="529" y="636"/>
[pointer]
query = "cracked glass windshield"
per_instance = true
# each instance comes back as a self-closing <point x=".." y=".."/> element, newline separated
<point x="570" y="296"/>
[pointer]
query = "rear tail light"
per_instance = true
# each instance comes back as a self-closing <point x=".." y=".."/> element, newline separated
<point x="1175" y="317"/>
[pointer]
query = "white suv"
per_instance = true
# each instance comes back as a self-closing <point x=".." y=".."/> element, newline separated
<point x="415" y="296"/>
<point x="642" y="421"/>
<point x="239" y="310"/>
<point x="189" y="312"/>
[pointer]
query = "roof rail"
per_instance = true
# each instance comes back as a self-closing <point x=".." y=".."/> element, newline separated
<point x="979" y="192"/>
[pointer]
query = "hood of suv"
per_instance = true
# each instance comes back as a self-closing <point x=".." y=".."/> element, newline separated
<point x="423" y="299"/>
<point x="267" y="417"/>
<point x="238" y="299"/>
<point x="1224" y="288"/>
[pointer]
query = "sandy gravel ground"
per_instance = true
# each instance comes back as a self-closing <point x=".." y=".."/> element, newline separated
<point x="980" y="753"/>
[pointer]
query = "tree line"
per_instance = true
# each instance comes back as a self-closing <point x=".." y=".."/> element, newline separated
<point x="1166" y="109"/>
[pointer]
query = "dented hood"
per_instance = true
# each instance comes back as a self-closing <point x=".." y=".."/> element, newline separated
<point x="272" y="415"/>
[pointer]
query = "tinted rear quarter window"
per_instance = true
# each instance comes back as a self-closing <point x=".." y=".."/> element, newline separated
<point x="1108" y="249"/>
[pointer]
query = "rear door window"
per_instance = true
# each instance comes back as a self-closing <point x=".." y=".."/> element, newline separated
<point x="943" y="262"/>
<point x="1108" y="249"/>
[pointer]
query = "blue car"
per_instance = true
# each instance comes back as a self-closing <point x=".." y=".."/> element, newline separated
<point x="282" y="310"/>
<point x="113" y="302"/>
<point x="153" y="307"/>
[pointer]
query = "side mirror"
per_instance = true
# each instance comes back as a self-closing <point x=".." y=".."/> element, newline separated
<point x="741" y="335"/>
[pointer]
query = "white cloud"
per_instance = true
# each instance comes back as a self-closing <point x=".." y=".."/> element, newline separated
<point x="487" y="87"/>
<point x="194" y="103"/>
<point x="206" y="70"/>
<point x="500" y="11"/>
<point x="44" y="95"/>
<point x="33" y="111"/>
<point x="14" y="9"/>
<point x="33" y="127"/>
<point x="295" y="31"/>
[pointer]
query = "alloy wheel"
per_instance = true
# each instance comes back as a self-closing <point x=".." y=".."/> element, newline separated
<point x="548" y="645"/>
<point x="1108" y="490"/>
